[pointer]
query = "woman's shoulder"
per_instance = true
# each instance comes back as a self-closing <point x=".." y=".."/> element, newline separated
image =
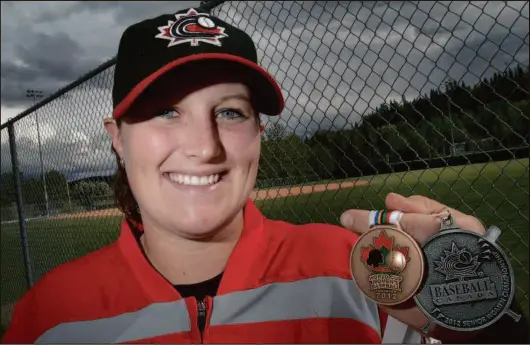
<point x="65" y="293"/>
<point x="312" y="231"/>
<point x="89" y="269"/>
<point x="331" y="241"/>
<point x="76" y="280"/>
<point x="309" y="250"/>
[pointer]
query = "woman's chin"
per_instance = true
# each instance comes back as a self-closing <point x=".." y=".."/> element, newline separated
<point x="201" y="223"/>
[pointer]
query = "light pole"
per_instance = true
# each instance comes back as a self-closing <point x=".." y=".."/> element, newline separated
<point x="68" y="195"/>
<point x="447" y="83"/>
<point x="36" y="94"/>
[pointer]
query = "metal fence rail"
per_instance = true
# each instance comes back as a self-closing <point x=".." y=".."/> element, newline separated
<point x="423" y="98"/>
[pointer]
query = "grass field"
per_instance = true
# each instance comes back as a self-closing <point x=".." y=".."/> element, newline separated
<point x="497" y="193"/>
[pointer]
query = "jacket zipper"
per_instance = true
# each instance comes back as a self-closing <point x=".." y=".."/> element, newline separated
<point x="201" y="320"/>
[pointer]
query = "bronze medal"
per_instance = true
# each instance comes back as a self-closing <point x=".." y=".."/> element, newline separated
<point x="386" y="263"/>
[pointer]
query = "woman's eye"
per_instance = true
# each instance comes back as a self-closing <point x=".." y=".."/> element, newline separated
<point x="230" y="114"/>
<point x="168" y="113"/>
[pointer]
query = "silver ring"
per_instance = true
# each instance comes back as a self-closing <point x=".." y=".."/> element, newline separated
<point x="447" y="219"/>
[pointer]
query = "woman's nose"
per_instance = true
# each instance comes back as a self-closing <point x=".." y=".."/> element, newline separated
<point x="201" y="140"/>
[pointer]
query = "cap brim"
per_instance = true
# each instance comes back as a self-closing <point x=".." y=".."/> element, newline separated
<point x="269" y="100"/>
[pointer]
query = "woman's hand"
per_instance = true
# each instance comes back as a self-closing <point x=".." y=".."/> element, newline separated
<point x="419" y="221"/>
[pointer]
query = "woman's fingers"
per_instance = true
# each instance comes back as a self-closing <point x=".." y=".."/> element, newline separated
<point x="419" y="226"/>
<point x="421" y="204"/>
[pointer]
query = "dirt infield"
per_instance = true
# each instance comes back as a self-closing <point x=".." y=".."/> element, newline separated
<point x="293" y="191"/>
<point x="263" y="194"/>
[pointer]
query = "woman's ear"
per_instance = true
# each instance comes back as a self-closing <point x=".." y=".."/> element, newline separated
<point x="114" y="133"/>
<point x="261" y="127"/>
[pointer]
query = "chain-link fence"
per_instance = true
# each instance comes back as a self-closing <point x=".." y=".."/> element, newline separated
<point x="425" y="98"/>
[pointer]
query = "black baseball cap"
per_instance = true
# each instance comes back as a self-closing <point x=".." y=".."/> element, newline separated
<point x="188" y="41"/>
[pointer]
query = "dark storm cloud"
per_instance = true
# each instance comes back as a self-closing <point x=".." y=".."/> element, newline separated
<point x="337" y="62"/>
<point x="45" y="61"/>
<point x="133" y="11"/>
<point x="48" y="45"/>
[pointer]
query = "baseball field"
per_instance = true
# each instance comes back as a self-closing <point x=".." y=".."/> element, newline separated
<point x="497" y="193"/>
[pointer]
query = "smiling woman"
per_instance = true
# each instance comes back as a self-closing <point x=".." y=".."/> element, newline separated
<point x="196" y="261"/>
<point x="202" y="147"/>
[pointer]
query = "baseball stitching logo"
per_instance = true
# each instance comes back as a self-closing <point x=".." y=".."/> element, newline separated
<point x="191" y="27"/>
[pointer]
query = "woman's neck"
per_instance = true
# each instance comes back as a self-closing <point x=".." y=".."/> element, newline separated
<point x="186" y="261"/>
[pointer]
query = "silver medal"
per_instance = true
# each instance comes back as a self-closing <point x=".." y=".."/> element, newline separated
<point x="469" y="280"/>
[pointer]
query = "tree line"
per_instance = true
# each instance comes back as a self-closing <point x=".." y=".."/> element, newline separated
<point x="461" y="124"/>
<point x="488" y="121"/>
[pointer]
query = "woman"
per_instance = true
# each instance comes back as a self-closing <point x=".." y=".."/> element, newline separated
<point x="196" y="261"/>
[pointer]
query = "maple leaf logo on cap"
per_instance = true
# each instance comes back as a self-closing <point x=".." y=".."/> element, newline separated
<point x="191" y="27"/>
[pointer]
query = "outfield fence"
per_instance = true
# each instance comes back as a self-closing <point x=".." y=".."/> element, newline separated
<point x="416" y="97"/>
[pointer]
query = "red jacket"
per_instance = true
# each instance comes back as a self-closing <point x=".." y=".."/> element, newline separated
<point x="283" y="283"/>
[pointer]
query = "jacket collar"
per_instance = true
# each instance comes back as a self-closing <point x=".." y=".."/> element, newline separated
<point x="240" y="265"/>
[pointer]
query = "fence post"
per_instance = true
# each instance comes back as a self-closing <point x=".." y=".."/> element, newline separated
<point x="20" y="203"/>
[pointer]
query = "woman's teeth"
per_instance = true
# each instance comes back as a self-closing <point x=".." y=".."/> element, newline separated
<point x="194" y="180"/>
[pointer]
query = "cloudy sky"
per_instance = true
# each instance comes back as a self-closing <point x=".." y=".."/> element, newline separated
<point x="335" y="61"/>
